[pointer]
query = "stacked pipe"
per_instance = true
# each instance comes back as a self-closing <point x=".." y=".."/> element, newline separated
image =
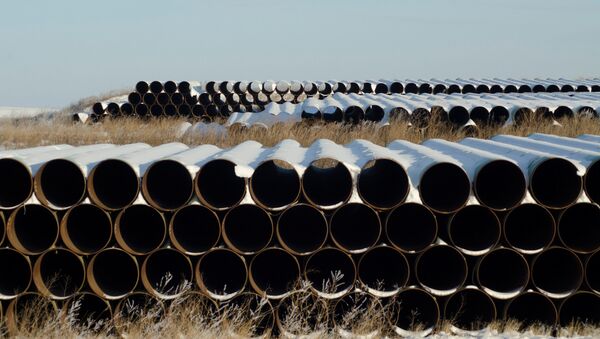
<point x="469" y="232"/>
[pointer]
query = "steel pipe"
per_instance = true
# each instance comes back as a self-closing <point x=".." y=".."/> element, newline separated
<point x="140" y="229"/>
<point x="156" y="87"/>
<point x="166" y="273"/>
<point x="32" y="229"/>
<point x="137" y="308"/>
<point x="358" y="314"/>
<point x="327" y="183"/>
<point x="441" y="270"/>
<point x="275" y="185"/>
<point x="59" y="273"/>
<point x="274" y="273"/>
<point x="167" y="185"/>
<point x="302" y="314"/>
<point x="414" y="312"/>
<point x="474" y="230"/>
<point x="142" y="87"/>
<point x="108" y="264"/>
<point x="221" y="273"/>
<point x="330" y="272"/>
<point x="355" y="227"/>
<point x="149" y="99"/>
<point x="16" y="273"/>
<point x="531" y="308"/>
<point x="502" y="273"/>
<point x="29" y="311"/>
<point x="383" y="271"/>
<point x="218" y="186"/>
<point x="383" y="184"/>
<point x="411" y="227"/>
<point x="469" y="310"/>
<point x="194" y="229"/>
<point x="249" y="316"/>
<point x="302" y="229"/>
<point x="247" y="229"/>
<point x="86" y="229"/>
<point x="582" y="308"/>
<point x="592" y="272"/>
<point x="88" y="312"/>
<point x="578" y="227"/>
<point x="557" y="272"/>
<point x="529" y="228"/>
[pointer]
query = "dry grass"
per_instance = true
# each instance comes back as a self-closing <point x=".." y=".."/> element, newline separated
<point x="32" y="132"/>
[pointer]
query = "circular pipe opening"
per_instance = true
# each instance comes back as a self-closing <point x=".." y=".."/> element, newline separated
<point x="60" y="184"/>
<point x="499" y="115"/>
<point x="458" y="115"/>
<point x="480" y="115"/>
<point x="482" y="89"/>
<point x="140" y="229"/>
<point x="149" y="99"/>
<point x="522" y="114"/>
<point x="221" y="273"/>
<point x="108" y="264"/>
<point x="439" y="88"/>
<point x="157" y="110"/>
<point x="374" y="113"/>
<point x="414" y="312"/>
<point x="156" y="87"/>
<point x="524" y="89"/>
<point x="137" y="307"/>
<point x="444" y="187"/>
<point x="127" y="109"/>
<point x="591" y="182"/>
<point x="142" y="87"/>
<point x="555" y="183"/>
<point x="425" y="88"/>
<point x="529" y="228"/>
<point x="383" y="271"/>
<point x="500" y="185"/>
<point x="32" y="229"/>
<point x="247" y="229"/>
<point x="330" y="272"/>
<point x="355" y="227"/>
<point x="531" y="309"/>
<point x="557" y="272"/>
<point x="441" y="270"/>
<point x="218" y="186"/>
<point x="249" y="316"/>
<point x="88" y="312"/>
<point x="354" y="114"/>
<point x="567" y="88"/>
<point x="470" y="310"/>
<point x="359" y="315"/>
<point x="166" y="273"/>
<point x="301" y="314"/>
<point x="59" y="273"/>
<point x="538" y="88"/>
<point x="113" y="184"/>
<point x="453" y="88"/>
<point x="411" y="227"/>
<point x="86" y="229"/>
<point x="592" y="272"/>
<point x="510" y="89"/>
<point x="167" y="185"/>
<point x="163" y="99"/>
<point x="503" y="273"/>
<point x="16" y="273"/>
<point x="420" y="118"/>
<point x="327" y="183"/>
<point x="474" y="230"/>
<point x="274" y="273"/>
<point x="98" y="108"/>
<point x="396" y="87"/>
<point x="411" y="88"/>
<point x="302" y="229"/>
<point x="496" y="89"/>
<point x="468" y="88"/>
<point x="381" y="89"/>
<point x="578" y="227"/>
<point x="383" y="184"/>
<point x="184" y="87"/>
<point x="275" y="185"/>
<point x="16" y="184"/>
<point x="194" y="229"/>
<point x="563" y="112"/>
<point x="582" y="308"/>
<point x="27" y="309"/>
<point x="141" y="110"/>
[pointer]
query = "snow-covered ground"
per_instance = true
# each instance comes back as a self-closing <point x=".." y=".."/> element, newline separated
<point x="24" y="112"/>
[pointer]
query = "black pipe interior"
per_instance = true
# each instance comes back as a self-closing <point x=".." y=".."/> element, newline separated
<point x="567" y="88"/>
<point x="482" y="89"/>
<point x="162" y="98"/>
<point x="248" y="228"/>
<point x="157" y="110"/>
<point x="468" y="88"/>
<point x="113" y="263"/>
<point x="16" y="272"/>
<point x="504" y="271"/>
<point x="592" y="271"/>
<point x="168" y="184"/>
<point x="177" y="99"/>
<point x="15" y="183"/>
<point x="555" y="183"/>
<point x="275" y="271"/>
<point x="251" y="315"/>
<point x="134" y="98"/>
<point x="222" y="272"/>
<point x="127" y="109"/>
<point x="302" y="313"/>
<point x="524" y="89"/>
<point x="374" y="113"/>
<point x="136" y="306"/>
<point x="367" y="87"/>
<point x="381" y="88"/>
<point x="62" y="272"/>
<point x="425" y="88"/>
<point x="331" y="114"/>
<point x="354" y="311"/>
<point x="499" y="115"/>
<point x="62" y="183"/>
<point x="411" y="227"/>
<point x="170" y="86"/>
<point x="274" y="185"/>
<point x="582" y="88"/>
<point x="531" y="309"/>
<point x="474" y="228"/>
<point x="98" y="108"/>
<point x="557" y="270"/>
<point x="441" y="268"/>
<point x="184" y="87"/>
<point x="36" y="227"/>
<point x="480" y="115"/>
<point x="396" y="87"/>
<point x="500" y="184"/>
<point x="327" y="186"/>
<point x="592" y="182"/>
<point x="383" y="269"/>
<point x="578" y="227"/>
<point x="444" y="187"/>
<point x="89" y="228"/>
<point x="411" y="88"/>
<point x="185" y="110"/>
<point x="196" y="228"/>
<point x="354" y="114"/>
<point x="170" y="110"/>
<point x="420" y="118"/>
<point x="496" y="89"/>
<point x="355" y="227"/>
<point x="353" y="87"/>
<point x="141" y="109"/>
<point x="168" y="271"/>
<point x="113" y="108"/>
<point x="383" y="183"/>
<point x="439" y="88"/>
<point x="522" y="114"/>
<point x="538" y="88"/>
<point x="33" y="307"/>
<point x="89" y="311"/>
<point x="453" y="88"/>
<point x="330" y="271"/>
<point x="149" y="99"/>
<point x="302" y="228"/>
<point x="218" y="185"/>
<point x="563" y="112"/>
<point x="470" y="310"/>
<point x="142" y="228"/>
<point x="142" y="87"/>
<point x="510" y="89"/>
<point x="415" y="309"/>
<point x="156" y="87"/>
<point x="529" y="227"/>
<point x="581" y="308"/>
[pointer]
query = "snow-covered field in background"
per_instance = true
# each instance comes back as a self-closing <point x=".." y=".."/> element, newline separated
<point x="24" y="112"/>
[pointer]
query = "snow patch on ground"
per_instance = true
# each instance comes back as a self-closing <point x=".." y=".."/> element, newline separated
<point x="24" y="112"/>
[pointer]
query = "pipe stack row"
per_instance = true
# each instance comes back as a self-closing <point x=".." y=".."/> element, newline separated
<point x="472" y="232"/>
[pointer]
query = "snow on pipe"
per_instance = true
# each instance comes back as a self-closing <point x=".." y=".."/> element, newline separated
<point x="32" y="229"/>
<point x="86" y="229"/>
<point x="383" y="271"/>
<point x="581" y="308"/>
<point x="274" y="273"/>
<point x="59" y="273"/>
<point x="355" y="227"/>
<point x="414" y="312"/>
<point x="21" y="307"/>
<point x="327" y="183"/>
<point x="330" y="272"/>
<point x="557" y="272"/>
<point x="140" y="229"/>
<point x="302" y="229"/>
<point x="531" y="308"/>
<point x="194" y="229"/>
<point x="578" y="227"/>
<point x="166" y="262"/>
<point x="357" y="308"/>
<point x="108" y="264"/>
<point x="502" y="273"/>
<point x="221" y="273"/>
<point x="275" y="185"/>
<point x="17" y="273"/>
<point x="86" y="308"/>
<point x="247" y="229"/>
<point x="529" y="228"/>
<point x="411" y="227"/>
<point x="383" y="184"/>
<point x="248" y="315"/>
<point x="474" y="230"/>
<point x="441" y="270"/>
<point x="592" y="271"/>
<point x="218" y="186"/>
<point x="470" y="309"/>
<point x="310" y="308"/>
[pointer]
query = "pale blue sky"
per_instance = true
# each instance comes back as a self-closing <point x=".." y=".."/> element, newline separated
<point x="55" y="52"/>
